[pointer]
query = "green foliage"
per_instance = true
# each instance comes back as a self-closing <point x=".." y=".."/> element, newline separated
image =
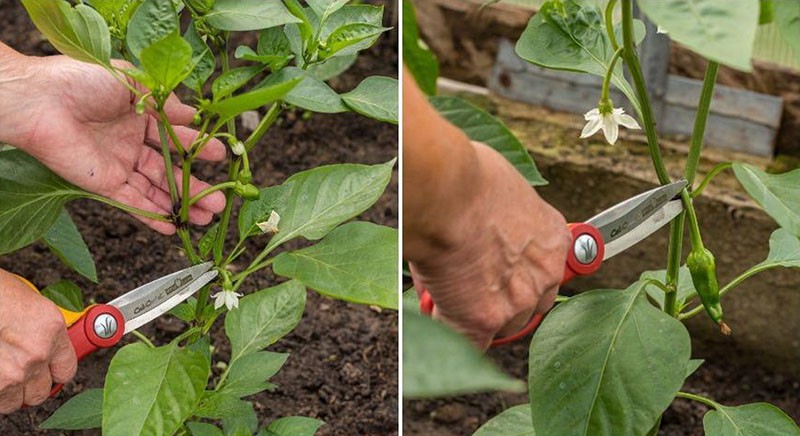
<point x="685" y="288"/>
<point x="311" y="93"/>
<point x="32" y="199"/>
<point x="231" y="107"/>
<point x="152" y="390"/>
<point x="787" y="16"/>
<point x="482" y="127"/>
<point x="78" y="32"/>
<point x="758" y="419"/>
<point x="83" y="411"/>
<point x="514" y="421"/>
<point x="66" y="242"/>
<point x="776" y="193"/>
<point x="65" y="294"/>
<point x="292" y="426"/>
<point x="356" y="262"/>
<point x="375" y="97"/>
<point x="347" y="36"/>
<point x="168" y="61"/>
<point x="248" y="14"/>
<point x="227" y="83"/>
<point x="712" y="28"/>
<point x="437" y="361"/>
<point x="203" y="429"/>
<point x="202" y="57"/>
<point x="419" y="60"/>
<point x="571" y="36"/>
<point x="596" y="345"/>
<point x="249" y="375"/>
<point x="784" y="250"/>
<point x="153" y="20"/>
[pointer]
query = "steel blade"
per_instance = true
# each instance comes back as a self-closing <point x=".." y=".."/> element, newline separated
<point x="152" y="300"/>
<point x="617" y="221"/>
<point x="654" y="222"/>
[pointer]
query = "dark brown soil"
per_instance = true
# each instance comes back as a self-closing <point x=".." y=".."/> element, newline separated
<point x="343" y="363"/>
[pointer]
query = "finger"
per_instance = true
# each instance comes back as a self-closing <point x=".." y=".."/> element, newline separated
<point x="150" y="191"/>
<point x="214" y="150"/>
<point x="38" y="387"/>
<point x="132" y="197"/>
<point x="11" y="399"/>
<point x="177" y="112"/>
<point x="63" y="363"/>
<point x="200" y="216"/>
<point x="547" y="301"/>
<point x="517" y="323"/>
<point x="418" y="286"/>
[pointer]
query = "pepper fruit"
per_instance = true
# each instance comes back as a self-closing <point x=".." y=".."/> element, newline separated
<point x="246" y="191"/>
<point x="702" y="267"/>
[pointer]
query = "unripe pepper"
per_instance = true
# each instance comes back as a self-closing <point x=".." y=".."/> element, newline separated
<point x="246" y="191"/>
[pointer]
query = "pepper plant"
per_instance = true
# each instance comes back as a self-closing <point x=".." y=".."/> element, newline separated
<point x="169" y="389"/>
<point x="610" y="362"/>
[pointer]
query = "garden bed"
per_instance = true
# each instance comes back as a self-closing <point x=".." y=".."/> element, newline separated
<point x="343" y="359"/>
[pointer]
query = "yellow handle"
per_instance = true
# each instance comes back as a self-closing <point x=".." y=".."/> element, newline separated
<point x="70" y="317"/>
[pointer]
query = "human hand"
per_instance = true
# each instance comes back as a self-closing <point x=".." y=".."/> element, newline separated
<point x="80" y="121"/>
<point x="35" y="351"/>
<point x="502" y="258"/>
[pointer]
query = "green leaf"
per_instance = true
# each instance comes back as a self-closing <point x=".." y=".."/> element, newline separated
<point x="417" y="57"/>
<point x="66" y="242"/>
<point x="186" y="310"/>
<point x="242" y="421"/>
<point x="375" y="97"/>
<point x="711" y="28"/>
<point x="203" y="429"/>
<point x="482" y="127"/>
<point x="231" y="107"/>
<point x="203" y="59"/>
<point x="778" y="194"/>
<point x="65" y="294"/>
<point x="311" y="94"/>
<point x="152" y="21"/>
<point x="83" y="411"/>
<point x="218" y="405"/>
<point x="240" y="15"/>
<point x="572" y="36"/>
<point x="352" y="14"/>
<point x="264" y="317"/>
<point x="757" y="419"/>
<point x="685" y="290"/>
<point x="411" y="301"/>
<point x="787" y="17"/>
<point x="784" y="250"/>
<point x="332" y="67"/>
<point x="314" y="202"/>
<point x="32" y="199"/>
<point x="249" y="374"/>
<point x="228" y="82"/>
<point x="349" y="35"/>
<point x="592" y="364"/>
<point x="692" y="366"/>
<point x="356" y="262"/>
<point x="324" y="8"/>
<point x="292" y="426"/>
<point x="168" y="61"/>
<point x="152" y="390"/>
<point x="206" y="243"/>
<point x="273" y="49"/>
<point x="766" y="13"/>
<point x="438" y="362"/>
<point x="116" y="13"/>
<point x="78" y="32"/>
<point x="515" y="421"/>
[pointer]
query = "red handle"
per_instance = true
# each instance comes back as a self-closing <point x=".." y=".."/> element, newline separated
<point x="584" y="258"/>
<point x="102" y="326"/>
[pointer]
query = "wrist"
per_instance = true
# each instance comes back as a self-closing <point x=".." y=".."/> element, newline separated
<point x="15" y="95"/>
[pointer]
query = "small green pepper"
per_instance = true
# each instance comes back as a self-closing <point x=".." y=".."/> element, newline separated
<point x="702" y="266"/>
<point x="246" y="191"/>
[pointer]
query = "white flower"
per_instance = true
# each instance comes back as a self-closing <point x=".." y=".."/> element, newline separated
<point x="237" y="148"/>
<point x="271" y="224"/>
<point x="609" y="122"/>
<point x="228" y="298"/>
<point x="662" y="30"/>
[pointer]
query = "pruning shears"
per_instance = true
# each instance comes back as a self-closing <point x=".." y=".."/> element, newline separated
<point x="103" y="325"/>
<point x="603" y="236"/>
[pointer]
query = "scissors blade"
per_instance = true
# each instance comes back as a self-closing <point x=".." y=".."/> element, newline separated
<point x="623" y="218"/>
<point x="152" y="300"/>
<point x="655" y="221"/>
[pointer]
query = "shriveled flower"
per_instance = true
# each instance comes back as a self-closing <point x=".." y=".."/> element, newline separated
<point x="609" y="119"/>
<point x="271" y="224"/>
<point x="229" y="298"/>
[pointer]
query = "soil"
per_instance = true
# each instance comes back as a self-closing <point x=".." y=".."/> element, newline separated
<point x="344" y="357"/>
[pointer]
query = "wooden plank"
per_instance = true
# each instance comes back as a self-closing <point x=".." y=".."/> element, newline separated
<point x="740" y="120"/>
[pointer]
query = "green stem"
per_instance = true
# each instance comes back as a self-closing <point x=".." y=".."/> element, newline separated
<point x="250" y="270"/>
<point x="604" y="96"/>
<point x="202" y="299"/>
<point x="713" y="173"/>
<point x="143" y="338"/>
<point x="632" y="60"/>
<point x="700" y="399"/>
<point x="130" y="209"/>
<point x="171" y="132"/>
<point x="205" y="192"/>
<point x="610" y="23"/>
<point x="729" y="287"/>
<point x="188" y="246"/>
<point x="658" y="284"/>
<point x="254" y="266"/>
<point x="674" y="263"/>
<point x="170" y="174"/>
<point x="703" y="107"/>
<point x="263" y="126"/>
<point x="694" y="225"/>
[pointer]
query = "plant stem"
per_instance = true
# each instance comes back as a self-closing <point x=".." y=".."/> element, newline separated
<point x="604" y="96"/>
<point x="251" y="269"/>
<point x="694" y="225"/>
<point x="130" y="209"/>
<point x="609" y="18"/>
<point x="727" y="288"/>
<point x="263" y="126"/>
<point x="188" y="246"/>
<point x="255" y="265"/>
<point x="700" y="399"/>
<point x="170" y="174"/>
<point x="713" y="173"/>
<point x="205" y="192"/>
<point x="700" y="120"/>
<point x="632" y="60"/>
<point x="674" y="263"/>
<point x="143" y="338"/>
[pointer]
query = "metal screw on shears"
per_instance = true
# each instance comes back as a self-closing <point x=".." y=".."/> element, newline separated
<point x="585" y="249"/>
<point x="105" y="326"/>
